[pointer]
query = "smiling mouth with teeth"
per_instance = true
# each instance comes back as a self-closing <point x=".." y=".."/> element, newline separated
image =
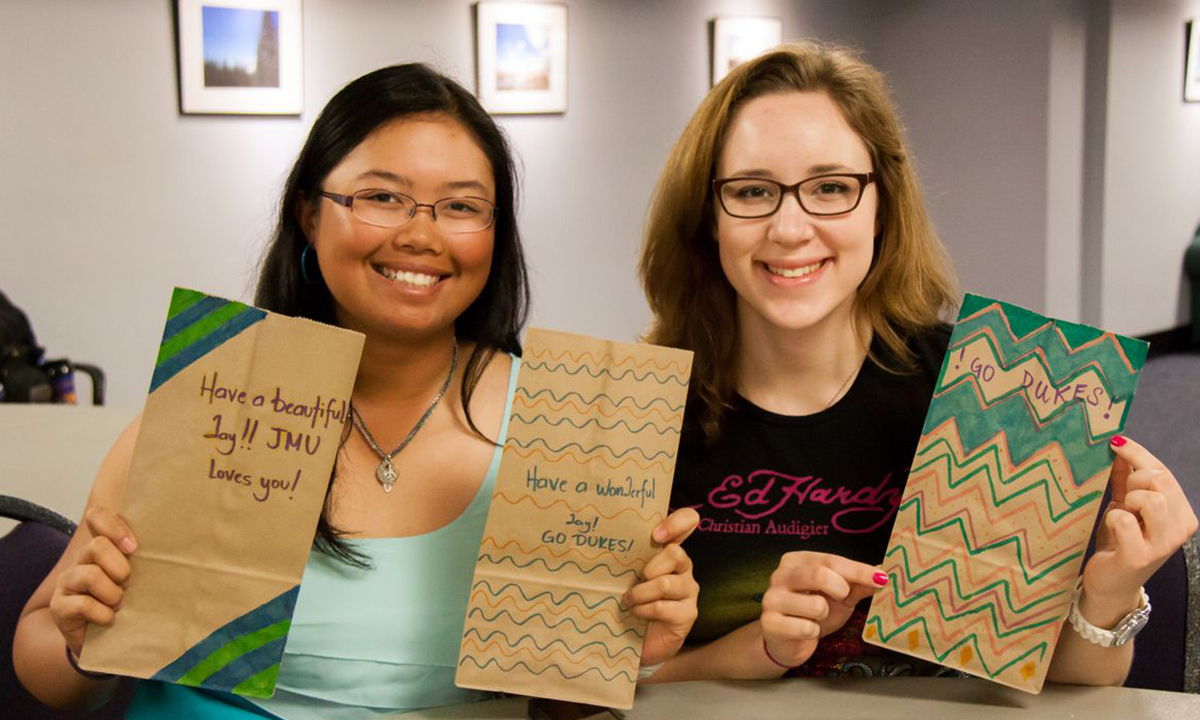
<point x="795" y="272"/>
<point x="410" y="278"/>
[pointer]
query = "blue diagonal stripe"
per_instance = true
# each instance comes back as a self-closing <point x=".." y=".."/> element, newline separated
<point x="190" y="354"/>
<point x="190" y="315"/>
<point x="246" y="666"/>
<point x="269" y="613"/>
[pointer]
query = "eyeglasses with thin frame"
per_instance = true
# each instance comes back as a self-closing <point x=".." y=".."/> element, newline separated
<point x="819" y="195"/>
<point x="389" y="209"/>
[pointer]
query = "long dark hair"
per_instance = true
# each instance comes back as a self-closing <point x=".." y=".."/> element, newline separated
<point x="493" y="321"/>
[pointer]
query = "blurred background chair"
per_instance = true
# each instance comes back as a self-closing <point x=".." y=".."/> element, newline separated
<point x="1166" y="654"/>
<point x="27" y="553"/>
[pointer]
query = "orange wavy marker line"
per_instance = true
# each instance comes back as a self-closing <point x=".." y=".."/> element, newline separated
<point x="586" y="410"/>
<point x="539" y="354"/>
<point x="555" y="611"/>
<point x="610" y="664"/>
<point x="568" y="551"/>
<point x="584" y="460"/>
<point x="581" y="508"/>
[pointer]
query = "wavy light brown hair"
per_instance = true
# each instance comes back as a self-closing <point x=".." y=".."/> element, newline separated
<point x="910" y="283"/>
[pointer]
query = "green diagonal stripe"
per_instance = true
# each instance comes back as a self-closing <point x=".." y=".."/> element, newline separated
<point x="197" y="330"/>
<point x="182" y="299"/>
<point x="261" y="685"/>
<point x="234" y="649"/>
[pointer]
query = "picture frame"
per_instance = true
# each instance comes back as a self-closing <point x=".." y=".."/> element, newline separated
<point x="240" y="57"/>
<point x="737" y="39"/>
<point x="521" y="57"/>
<point x="1191" y="63"/>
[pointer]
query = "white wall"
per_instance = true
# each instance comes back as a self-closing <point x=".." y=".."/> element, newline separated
<point x="109" y="197"/>
<point x="1152" y="167"/>
<point x="1045" y="193"/>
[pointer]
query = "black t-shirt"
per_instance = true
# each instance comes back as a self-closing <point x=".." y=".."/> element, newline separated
<point x="828" y="482"/>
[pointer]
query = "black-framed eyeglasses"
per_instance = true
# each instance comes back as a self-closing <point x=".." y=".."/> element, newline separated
<point x="828" y="194"/>
<point x="389" y="209"/>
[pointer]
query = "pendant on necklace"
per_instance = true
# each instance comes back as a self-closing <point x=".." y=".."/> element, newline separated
<point x="386" y="474"/>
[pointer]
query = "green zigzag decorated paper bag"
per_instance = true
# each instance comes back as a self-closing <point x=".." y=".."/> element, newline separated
<point x="1004" y="490"/>
<point x="228" y="476"/>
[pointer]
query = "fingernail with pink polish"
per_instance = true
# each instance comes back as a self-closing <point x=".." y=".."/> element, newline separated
<point x="880" y="579"/>
<point x="1117" y="441"/>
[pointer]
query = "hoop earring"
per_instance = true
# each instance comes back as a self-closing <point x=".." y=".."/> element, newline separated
<point x="304" y="267"/>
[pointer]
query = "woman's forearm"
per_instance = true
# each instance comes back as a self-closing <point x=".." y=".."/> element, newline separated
<point x="40" y="662"/>
<point x="736" y="656"/>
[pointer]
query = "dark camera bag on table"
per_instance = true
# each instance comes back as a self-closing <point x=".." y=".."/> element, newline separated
<point x="21" y="377"/>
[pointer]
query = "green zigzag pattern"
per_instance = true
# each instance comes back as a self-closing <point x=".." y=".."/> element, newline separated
<point x="949" y="460"/>
<point x="977" y="428"/>
<point x="1040" y="648"/>
<point x="911" y="578"/>
<point x="1012" y="539"/>
<point x="1024" y="322"/>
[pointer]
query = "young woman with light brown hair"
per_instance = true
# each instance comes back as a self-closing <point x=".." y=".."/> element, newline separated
<point x="788" y="247"/>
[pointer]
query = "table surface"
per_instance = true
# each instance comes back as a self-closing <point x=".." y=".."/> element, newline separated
<point x="851" y="698"/>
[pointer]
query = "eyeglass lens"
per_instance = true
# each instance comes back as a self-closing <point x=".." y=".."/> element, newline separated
<point x="391" y="209"/>
<point x="759" y="197"/>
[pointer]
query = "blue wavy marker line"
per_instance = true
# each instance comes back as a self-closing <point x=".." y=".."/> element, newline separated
<point x="492" y="661"/>
<point x="511" y="560"/>
<point x="597" y="396"/>
<point x="527" y="598"/>
<point x="587" y="451"/>
<point x="514" y="643"/>
<point x="603" y="371"/>
<point x="590" y="421"/>
<point x="548" y="624"/>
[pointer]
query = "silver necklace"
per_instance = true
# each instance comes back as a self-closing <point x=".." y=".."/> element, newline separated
<point x="838" y="394"/>
<point x="386" y="472"/>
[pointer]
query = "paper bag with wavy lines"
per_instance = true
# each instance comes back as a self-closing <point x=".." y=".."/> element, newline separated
<point x="1003" y="492"/>
<point x="228" y="476"/>
<point x="584" y="479"/>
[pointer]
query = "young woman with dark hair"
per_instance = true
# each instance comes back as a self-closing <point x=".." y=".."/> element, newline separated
<point x="788" y="246"/>
<point x="398" y="221"/>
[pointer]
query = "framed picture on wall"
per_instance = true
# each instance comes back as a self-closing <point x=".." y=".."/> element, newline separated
<point x="240" y="57"/>
<point x="1191" y="65"/>
<point x="737" y="39"/>
<point x="521" y="57"/>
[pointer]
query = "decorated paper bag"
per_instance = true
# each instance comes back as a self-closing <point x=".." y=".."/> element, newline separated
<point x="243" y="421"/>
<point x="584" y="479"/>
<point x="1003" y="493"/>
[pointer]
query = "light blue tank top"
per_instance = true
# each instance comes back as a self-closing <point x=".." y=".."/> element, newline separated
<point x="367" y="642"/>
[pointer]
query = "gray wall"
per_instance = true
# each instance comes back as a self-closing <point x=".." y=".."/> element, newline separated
<point x="110" y="197"/>
<point x="1034" y="125"/>
<point x="1151" y="205"/>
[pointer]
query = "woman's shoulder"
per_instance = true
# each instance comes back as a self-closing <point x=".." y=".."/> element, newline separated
<point x="929" y="345"/>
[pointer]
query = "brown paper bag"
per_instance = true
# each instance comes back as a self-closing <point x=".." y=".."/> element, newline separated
<point x="584" y="479"/>
<point x="240" y="430"/>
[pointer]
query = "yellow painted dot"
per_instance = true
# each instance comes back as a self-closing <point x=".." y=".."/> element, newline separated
<point x="1027" y="670"/>
<point x="870" y="632"/>
<point x="965" y="656"/>
<point x="914" y="639"/>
